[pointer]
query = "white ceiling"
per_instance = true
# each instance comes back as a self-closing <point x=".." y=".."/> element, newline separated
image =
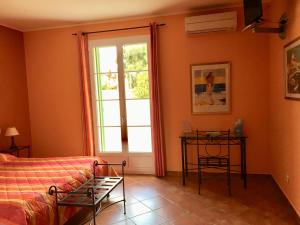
<point x="26" y="15"/>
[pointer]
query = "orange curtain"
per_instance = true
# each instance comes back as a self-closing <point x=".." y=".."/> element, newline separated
<point x="156" y="119"/>
<point x="87" y="120"/>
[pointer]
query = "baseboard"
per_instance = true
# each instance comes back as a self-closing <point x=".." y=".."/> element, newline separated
<point x="286" y="197"/>
<point x="178" y="173"/>
<point x="174" y="173"/>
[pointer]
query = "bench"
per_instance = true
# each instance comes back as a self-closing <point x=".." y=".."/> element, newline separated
<point x="91" y="193"/>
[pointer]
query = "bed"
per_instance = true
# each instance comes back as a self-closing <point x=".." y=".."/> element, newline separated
<point x="24" y="184"/>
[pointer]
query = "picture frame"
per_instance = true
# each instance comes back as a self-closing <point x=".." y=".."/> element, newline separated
<point x="292" y="69"/>
<point x="210" y="88"/>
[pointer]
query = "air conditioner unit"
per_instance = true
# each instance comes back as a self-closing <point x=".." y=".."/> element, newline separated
<point x="211" y="23"/>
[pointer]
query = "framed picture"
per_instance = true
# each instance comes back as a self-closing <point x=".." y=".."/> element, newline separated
<point x="210" y="84"/>
<point x="292" y="69"/>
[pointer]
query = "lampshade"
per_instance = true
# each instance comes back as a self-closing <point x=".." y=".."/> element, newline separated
<point x="11" y="131"/>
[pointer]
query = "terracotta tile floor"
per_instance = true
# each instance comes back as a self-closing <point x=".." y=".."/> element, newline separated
<point x="154" y="201"/>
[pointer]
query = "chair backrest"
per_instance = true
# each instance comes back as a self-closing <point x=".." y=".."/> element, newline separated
<point x="213" y="138"/>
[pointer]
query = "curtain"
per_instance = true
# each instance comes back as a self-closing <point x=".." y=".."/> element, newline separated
<point x="157" y="132"/>
<point x="87" y="117"/>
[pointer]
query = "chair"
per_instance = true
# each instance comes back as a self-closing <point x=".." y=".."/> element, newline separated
<point x="216" y="160"/>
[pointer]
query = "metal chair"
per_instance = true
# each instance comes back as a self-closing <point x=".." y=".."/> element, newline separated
<point x="216" y="160"/>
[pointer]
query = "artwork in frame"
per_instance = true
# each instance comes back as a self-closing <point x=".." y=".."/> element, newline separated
<point x="292" y="69"/>
<point x="210" y="88"/>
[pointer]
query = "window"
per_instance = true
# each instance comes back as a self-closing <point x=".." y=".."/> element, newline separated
<point x="121" y="103"/>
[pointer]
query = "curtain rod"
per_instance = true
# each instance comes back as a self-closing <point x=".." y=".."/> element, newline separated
<point x="127" y="28"/>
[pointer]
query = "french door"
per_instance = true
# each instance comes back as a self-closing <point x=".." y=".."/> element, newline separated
<point x="121" y="102"/>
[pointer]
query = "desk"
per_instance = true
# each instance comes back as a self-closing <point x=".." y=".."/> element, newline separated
<point x="188" y="138"/>
<point x="16" y="150"/>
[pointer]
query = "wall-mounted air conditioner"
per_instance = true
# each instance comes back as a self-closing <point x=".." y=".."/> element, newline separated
<point x="211" y="23"/>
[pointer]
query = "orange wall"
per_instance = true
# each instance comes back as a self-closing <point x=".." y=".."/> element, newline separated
<point x="54" y="90"/>
<point x="13" y="87"/>
<point x="54" y="93"/>
<point x="284" y="114"/>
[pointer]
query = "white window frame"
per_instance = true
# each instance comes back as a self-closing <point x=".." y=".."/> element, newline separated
<point x="137" y="162"/>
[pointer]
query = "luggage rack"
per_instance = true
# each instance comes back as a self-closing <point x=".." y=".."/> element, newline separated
<point x="91" y="193"/>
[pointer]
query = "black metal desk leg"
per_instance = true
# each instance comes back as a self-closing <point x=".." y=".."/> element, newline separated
<point x="242" y="158"/>
<point x="182" y="161"/>
<point x="244" y="163"/>
<point x="186" y="160"/>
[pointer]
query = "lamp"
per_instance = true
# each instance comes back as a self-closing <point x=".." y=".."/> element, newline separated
<point x="12" y="132"/>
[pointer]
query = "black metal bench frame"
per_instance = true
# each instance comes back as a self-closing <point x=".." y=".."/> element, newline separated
<point x="91" y="193"/>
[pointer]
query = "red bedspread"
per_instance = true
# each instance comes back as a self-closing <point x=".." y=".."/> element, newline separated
<point x="24" y="184"/>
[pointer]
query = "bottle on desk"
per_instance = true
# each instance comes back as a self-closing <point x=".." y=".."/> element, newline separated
<point x="239" y="127"/>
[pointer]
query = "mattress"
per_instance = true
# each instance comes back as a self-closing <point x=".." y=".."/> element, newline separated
<point x="24" y="184"/>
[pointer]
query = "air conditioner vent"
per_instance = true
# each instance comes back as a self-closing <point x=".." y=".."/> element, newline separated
<point x="211" y="23"/>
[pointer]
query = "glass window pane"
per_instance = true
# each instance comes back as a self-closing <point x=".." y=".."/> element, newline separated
<point x="110" y="139"/>
<point x="110" y="113"/>
<point x="106" y="59"/>
<point x="135" y="57"/>
<point x="139" y="139"/>
<point x="138" y="112"/>
<point x="137" y="84"/>
<point x="108" y="84"/>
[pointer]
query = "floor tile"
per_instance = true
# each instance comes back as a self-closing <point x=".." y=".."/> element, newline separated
<point x="110" y="217"/>
<point x="150" y="218"/>
<point x="129" y="200"/>
<point x="157" y="202"/>
<point x="189" y="219"/>
<point x="136" y="209"/>
<point x="125" y="222"/>
<point x="171" y="212"/>
<point x="143" y="193"/>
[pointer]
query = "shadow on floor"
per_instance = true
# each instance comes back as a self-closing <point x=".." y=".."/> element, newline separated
<point x="154" y="201"/>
